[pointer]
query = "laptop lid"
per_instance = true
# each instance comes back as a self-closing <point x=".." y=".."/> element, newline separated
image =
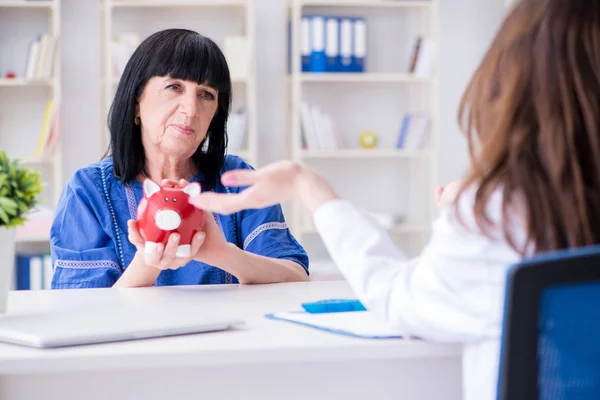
<point x="106" y="324"/>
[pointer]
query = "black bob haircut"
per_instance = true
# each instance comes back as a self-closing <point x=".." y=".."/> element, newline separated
<point x="180" y="54"/>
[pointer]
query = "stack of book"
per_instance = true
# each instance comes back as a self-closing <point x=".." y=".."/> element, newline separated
<point x="319" y="129"/>
<point x="333" y="44"/>
<point x="33" y="272"/>
<point x="41" y="58"/>
<point x="413" y="131"/>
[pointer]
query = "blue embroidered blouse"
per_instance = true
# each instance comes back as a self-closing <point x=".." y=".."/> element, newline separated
<point x="90" y="248"/>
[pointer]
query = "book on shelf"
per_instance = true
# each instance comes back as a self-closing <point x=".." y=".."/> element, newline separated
<point x="32" y="272"/>
<point x="49" y="131"/>
<point x="41" y="58"/>
<point x="319" y="129"/>
<point x="330" y="44"/>
<point x="422" y="57"/>
<point x="413" y="131"/>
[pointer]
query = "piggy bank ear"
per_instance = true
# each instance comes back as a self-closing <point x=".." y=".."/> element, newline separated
<point x="193" y="189"/>
<point x="150" y="187"/>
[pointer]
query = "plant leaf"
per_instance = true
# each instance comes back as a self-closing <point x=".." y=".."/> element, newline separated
<point x="16" y="222"/>
<point x="7" y="203"/>
<point x="4" y="217"/>
<point x="19" y="190"/>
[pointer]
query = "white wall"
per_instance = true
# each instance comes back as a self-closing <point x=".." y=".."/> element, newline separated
<point x="466" y="28"/>
<point x="81" y="90"/>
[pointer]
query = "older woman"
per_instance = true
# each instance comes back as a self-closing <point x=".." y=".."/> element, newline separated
<point x="167" y="122"/>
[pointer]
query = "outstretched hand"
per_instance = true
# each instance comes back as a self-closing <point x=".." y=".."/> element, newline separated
<point x="267" y="186"/>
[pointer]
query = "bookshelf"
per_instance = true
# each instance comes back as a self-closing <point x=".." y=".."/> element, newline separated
<point x="220" y="20"/>
<point x="385" y="4"/>
<point x="362" y="154"/>
<point x="391" y="180"/>
<point x="20" y="82"/>
<point x="361" y="78"/>
<point x="30" y="51"/>
<point x="23" y="4"/>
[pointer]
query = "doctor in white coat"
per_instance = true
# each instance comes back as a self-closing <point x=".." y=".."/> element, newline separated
<point x="531" y="114"/>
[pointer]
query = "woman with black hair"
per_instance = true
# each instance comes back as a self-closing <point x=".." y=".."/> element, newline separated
<point x="167" y="122"/>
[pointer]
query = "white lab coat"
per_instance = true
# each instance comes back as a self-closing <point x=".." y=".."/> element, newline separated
<point x="453" y="292"/>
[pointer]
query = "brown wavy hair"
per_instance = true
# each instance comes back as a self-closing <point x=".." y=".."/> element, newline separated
<point x="531" y="115"/>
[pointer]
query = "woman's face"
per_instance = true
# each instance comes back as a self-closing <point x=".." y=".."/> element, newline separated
<point x="175" y="115"/>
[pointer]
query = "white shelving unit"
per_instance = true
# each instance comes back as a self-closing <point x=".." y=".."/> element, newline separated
<point x="216" y="19"/>
<point x="384" y="179"/>
<point x="364" y="77"/>
<point x="20" y="82"/>
<point x="47" y="4"/>
<point x="362" y="154"/>
<point x="390" y="4"/>
<point x="23" y="102"/>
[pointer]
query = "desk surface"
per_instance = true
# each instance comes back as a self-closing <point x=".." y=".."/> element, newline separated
<point x="260" y="341"/>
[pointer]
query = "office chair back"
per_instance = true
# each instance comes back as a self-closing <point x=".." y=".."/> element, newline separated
<point x="551" y="333"/>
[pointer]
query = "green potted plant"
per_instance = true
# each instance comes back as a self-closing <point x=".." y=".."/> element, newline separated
<point x="19" y="190"/>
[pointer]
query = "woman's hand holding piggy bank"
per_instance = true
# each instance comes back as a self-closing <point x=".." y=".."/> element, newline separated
<point x="168" y="232"/>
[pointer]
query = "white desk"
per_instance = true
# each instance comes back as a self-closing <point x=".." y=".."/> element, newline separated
<point x="264" y="360"/>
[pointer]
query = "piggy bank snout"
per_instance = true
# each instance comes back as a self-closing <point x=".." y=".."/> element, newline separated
<point x="167" y="220"/>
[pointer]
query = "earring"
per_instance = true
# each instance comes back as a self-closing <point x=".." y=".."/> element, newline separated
<point x="137" y="120"/>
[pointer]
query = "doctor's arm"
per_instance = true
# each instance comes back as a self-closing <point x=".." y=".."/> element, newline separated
<point x="426" y="297"/>
<point x="273" y="184"/>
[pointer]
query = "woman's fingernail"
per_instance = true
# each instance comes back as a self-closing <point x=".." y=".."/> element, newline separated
<point x="175" y="238"/>
<point x="200" y="237"/>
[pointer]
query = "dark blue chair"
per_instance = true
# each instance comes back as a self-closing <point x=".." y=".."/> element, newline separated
<point x="551" y="335"/>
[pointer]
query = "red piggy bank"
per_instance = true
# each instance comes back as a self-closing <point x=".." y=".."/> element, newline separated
<point x="165" y="210"/>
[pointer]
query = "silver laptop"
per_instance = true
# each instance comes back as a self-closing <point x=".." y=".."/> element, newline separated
<point x="106" y="324"/>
